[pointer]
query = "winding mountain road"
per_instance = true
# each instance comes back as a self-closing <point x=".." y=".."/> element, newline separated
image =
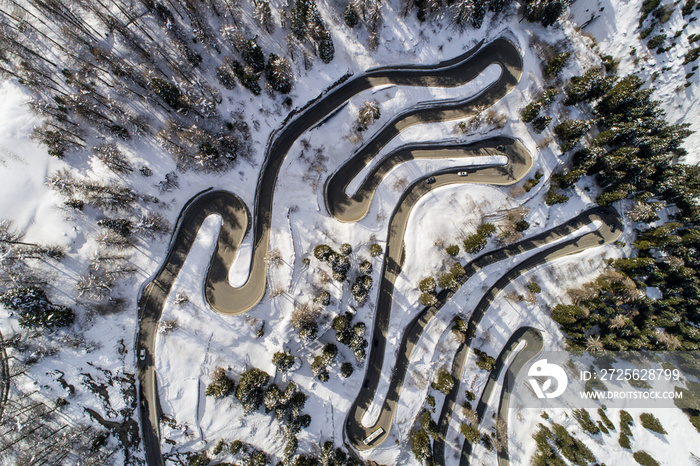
<point x="609" y="232"/>
<point x="236" y="218"/>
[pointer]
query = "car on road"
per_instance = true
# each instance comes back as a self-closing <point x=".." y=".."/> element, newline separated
<point x="501" y="148"/>
<point x="462" y="173"/>
<point x="142" y="355"/>
<point x="430" y="180"/>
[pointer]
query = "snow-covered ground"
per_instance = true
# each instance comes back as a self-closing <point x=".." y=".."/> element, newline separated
<point x="202" y="340"/>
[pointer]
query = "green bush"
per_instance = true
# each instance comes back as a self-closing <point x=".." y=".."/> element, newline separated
<point x="645" y="459"/>
<point x="444" y="382"/>
<point x="656" y="41"/>
<point x="556" y="64"/>
<point x="534" y="287"/>
<point x="427" y="285"/>
<point x="554" y="197"/>
<point x="583" y="418"/>
<point x="447" y="281"/>
<point x="375" y="250"/>
<point x="624" y="441"/>
<point x="221" y="385"/>
<point x="652" y="423"/>
<point x="250" y="389"/>
<point x="474" y="243"/>
<point x="346" y="369"/>
<point x="452" y="250"/>
<point x="539" y="124"/>
<point x="484" y="361"/>
<point x="471" y="433"/>
<point x="169" y="93"/>
<point x="283" y="360"/>
<point x="428" y="299"/>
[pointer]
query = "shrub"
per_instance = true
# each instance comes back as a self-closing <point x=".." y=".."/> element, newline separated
<point x="554" y="197"/>
<point x="539" y="124"/>
<point x="471" y="433"/>
<point x="486" y="229"/>
<point x="652" y="423"/>
<point x="361" y="288"/>
<point x="444" y="382"/>
<point x="474" y="243"/>
<point x="447" y="281"/>
<point x="624" y="441"/>
<point x="366" y="267"/>
<point x="304" y="321"/>
<point x="169" y="93"/>
<point x="346" y="369"/>
<point x="428" y="299"/>
<point x="375" y="250"/>
<point x="351" y="17"/>
<point x="345" y="249"/>
<point x="452" y="250"/>
<point x="530" y="111"/>
<point x="226" y="77"/>
<point x="120" y="226"/>
<point x="279" y="74"/>
<point x="484" y="361"/>
<point x="521" y="226"/>
<point x="250" y="389"/>
<point x="583" y="418"/>
<point x="283" y="360"/>
<point x="322" y="252"/>
<point x="457" y="270"/>
<point x="556" y="64"/>
<point x="221" y="385"/>
<point x="427" y="285"/>
<point x="421" y="446"/>
<point x="534" y="287"/>
<point x="645" y="459"/>
<point x="323" y="298"/>
<point x="656" y="41"/>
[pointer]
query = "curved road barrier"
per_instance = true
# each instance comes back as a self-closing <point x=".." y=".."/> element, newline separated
<point x="236" y="219"/>
<point x="609" y="231"/>
<point x="533" y="346"/>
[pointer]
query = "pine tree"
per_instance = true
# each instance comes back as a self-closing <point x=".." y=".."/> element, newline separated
<point x="254" y="56"/>
<point x="34" y="310"/>
<point x="326" y="50"/>
<point x="279" y="74"/>
<point x="351" y="17"/>
<point x="478" y="14"/>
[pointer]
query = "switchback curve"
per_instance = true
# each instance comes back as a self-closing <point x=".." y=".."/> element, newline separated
<point x="609" y="231"/>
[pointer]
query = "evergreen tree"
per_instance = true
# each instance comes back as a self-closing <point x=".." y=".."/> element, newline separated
<point x="279" y="74"/>
<point x="34" y="310"/>
<point x="350" y="16"/>
<point x="221" y="385"/>
<point x="254" y="56"/>
<point x="250" y="389"/>
<point x="326" y="50"/>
